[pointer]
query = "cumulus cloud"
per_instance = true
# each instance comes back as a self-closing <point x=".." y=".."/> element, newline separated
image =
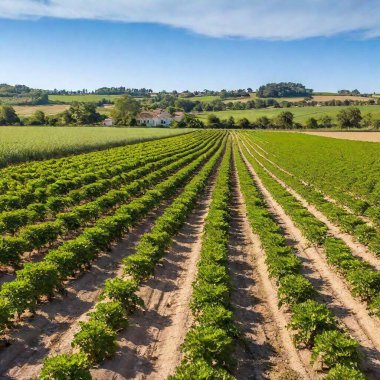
<point x="260" y="19"/>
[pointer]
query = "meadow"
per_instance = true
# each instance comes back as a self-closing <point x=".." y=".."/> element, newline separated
<point x="301" y="114"/>
<point x="19" y="144"/>
<point x="90" y="98"/>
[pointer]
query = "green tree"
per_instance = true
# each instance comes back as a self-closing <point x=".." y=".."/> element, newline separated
<point x="8" y="116"/>
<point x="263" y="122"/>
<point x="244" y="123"/>
<point x="38" y="118"/>
<point x="349" y="118"/>
<point x="84" y="113"/>
<point x="325" y="121"/>
<point x="367" y="121"/>
<point x="213" y="121"/>
<point x="125" y="110"/>
<point x="284" y="120"/>
<point x="311" y="123"/>
<point x="39" y="97"/>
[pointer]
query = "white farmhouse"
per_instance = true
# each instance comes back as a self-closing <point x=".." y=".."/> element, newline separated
<point x="108" y="122"/>
<point x="155" y="118"/>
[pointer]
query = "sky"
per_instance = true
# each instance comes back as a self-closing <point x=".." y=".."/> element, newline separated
<point x="195" y="45"/>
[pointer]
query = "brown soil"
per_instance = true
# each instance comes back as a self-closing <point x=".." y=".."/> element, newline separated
<point x="150" y="347"/>
<point x="51" y="330"/>
<point x="358" y="249"/>
<point x="259" y="352"/>
<point x="332" y="289"/>
<point x="357" y="136"/>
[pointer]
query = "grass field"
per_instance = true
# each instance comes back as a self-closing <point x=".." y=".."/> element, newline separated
<point x="81" y="98"/>
<point x="301" y="114"/>
<point x="51" y="109"/>
<point x="19" y="144"/>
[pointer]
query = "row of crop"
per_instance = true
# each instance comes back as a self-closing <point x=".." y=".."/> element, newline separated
<point x="38" y="280"/>
<point x="341" y="169"/>
<point x="46" y="170"/>
<point x="364" y="279"/>
<point x="96" y="339"/>
<point x="347" y="222"/>
<point x="50" y="189"/>
<point x="208" y="345"/>
<point x="314" y="326"/>
<point x="41" y="234"/>
<point x="11" y="221"/>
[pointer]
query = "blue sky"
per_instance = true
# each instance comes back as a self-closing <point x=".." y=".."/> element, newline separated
<point x="171" y="44"/>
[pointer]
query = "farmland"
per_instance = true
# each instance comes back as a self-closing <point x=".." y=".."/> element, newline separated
<point x="91" y="98"/>
<point x="25" y="143"/>
<point x="208" y="255"/>
<point x="301" y="114"/>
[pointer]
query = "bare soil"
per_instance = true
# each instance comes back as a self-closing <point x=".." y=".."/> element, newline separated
<point x="150" y="347"/>
<point x="331" y="288"/>
<point x="260" y="353"/>
<point x="358" y="136"/>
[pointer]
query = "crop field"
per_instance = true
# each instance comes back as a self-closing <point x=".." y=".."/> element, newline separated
<point x="301" y="114"/>
<point x="51" y="109"/>
<point x="210" y="255"/>
<point x="90" y="98"/>
<point x="19" y="144"/>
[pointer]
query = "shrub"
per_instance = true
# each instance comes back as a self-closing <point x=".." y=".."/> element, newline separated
<point x="66" y="367"/>
<point x="96" y="340"/>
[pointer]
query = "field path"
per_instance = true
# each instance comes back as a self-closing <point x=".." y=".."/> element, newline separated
<point x="259" y="352"/>
<point x="52" y="329"/>
<point x="150" y="347"/>
<point x="358" y="249"/>
<point x="332" y="289"/>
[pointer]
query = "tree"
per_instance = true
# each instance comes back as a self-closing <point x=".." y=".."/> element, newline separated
<point x="263" y="122"/>
<point x="39" y="97"/>
<point x="213" y="121"/>
<point x="311" y="123"/>
<point x="125" y="110"/>
<point x="38" y="118"/>
<point x="349" y="118"/>
<point x="367" y="121"/>
<point x="84" y="113"/>
<point x="244" y="123"/>
<point x="284" y="120"/>
<point x="190" y="121"/>
<point x="325" y="121"/>
<point x="282" y="90"/>
<point x="8" y="116"/>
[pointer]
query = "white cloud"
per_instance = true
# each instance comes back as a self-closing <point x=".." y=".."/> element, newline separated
<point x="262" y="19"/>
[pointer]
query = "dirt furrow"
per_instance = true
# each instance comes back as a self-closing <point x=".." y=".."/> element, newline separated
<point x="333" y="290"/>
<point x="150" y="347"/>
<point x="51" y="330"/>
<point x="358" y="249"/>
<point x="260" y="353"/>
<point x="280" y="318"/>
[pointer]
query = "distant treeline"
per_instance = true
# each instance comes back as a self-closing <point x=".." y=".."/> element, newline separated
<point x="23" y="94"/>
<point x="283" y="90"/>
<point x="136" y="92"/>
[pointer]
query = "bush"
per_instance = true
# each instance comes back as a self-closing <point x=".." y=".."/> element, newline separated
<point x="294" y="289"/>
<point x="66" y="367"/>
<point x="335" y="347"/>
<point x="96" y="340"/>
<point x="309" y="319"/>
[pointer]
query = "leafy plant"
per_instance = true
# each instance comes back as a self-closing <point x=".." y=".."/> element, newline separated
<point x="294" y="289"/>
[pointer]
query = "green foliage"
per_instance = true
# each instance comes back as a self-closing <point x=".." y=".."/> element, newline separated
<point x="342" y="372"/>
<point x="335" y="347"/>
<point x="111" y="313"/>
<point x="96" y="340"/>
<point x="66" y="367"/>
<point x="309" y="319"/>
<point x="294" y="289"/>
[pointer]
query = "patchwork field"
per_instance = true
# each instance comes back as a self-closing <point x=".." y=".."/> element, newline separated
<point x="301" y="114"/>
<point x="357" y="136"/>
<point x="211" y="255"/>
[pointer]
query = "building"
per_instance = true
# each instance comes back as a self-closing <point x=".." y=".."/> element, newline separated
<point x="155" y="118"/>
<point x="108" y="122"/>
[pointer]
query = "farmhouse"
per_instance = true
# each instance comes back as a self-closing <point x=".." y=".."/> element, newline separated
<point x="154" y="118"/>
<point x="108" y="122"/>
